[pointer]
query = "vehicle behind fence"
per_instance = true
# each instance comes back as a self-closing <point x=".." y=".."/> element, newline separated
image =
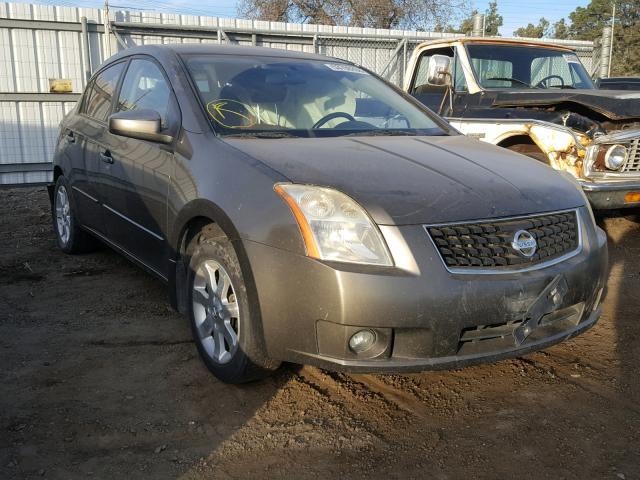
<point x="43" y="42"/>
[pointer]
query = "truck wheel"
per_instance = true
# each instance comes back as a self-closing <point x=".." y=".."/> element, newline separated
<point x="530" y="151"/>
<point x="70" y="237"/>
<point x="223" y="326"/>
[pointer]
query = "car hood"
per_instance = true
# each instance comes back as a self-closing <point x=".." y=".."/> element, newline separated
<point x="418" y="180"/>
<point x="613" y="104"/>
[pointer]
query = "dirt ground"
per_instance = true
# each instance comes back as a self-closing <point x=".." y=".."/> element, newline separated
<point x="99" y="378"/>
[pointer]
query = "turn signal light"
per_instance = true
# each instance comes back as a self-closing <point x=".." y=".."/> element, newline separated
<point x="632" y="197"/>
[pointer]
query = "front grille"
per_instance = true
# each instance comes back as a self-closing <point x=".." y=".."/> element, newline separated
<point x="633" y="160"/>
<point x="488" y="245"/>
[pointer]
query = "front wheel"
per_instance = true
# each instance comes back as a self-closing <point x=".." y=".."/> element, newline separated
<point x="530" y="150"/>
<point x="224" y="328"/>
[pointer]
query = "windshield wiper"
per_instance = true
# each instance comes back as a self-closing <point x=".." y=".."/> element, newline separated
<point x="381" y="133"/>
<point x="261" y="135"/>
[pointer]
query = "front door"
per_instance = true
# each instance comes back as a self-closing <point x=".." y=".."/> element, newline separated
<point x="139" y="172"/>
<point x="447" y="101"/>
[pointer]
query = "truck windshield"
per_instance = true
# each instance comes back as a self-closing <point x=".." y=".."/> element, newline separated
<point x="274" y="97"/>
<point x="518" y="67"/>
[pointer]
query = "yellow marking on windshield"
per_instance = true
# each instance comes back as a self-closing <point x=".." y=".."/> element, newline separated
<point x="220" y="109"/>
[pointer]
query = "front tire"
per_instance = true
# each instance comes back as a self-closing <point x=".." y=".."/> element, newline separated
<point x="224" y="328"/>
<point x="69" y="236"/>
<point x="530" y="150"/>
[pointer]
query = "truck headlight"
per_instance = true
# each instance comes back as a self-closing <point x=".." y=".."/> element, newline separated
<point x="334" y="227"/>
<point x="615" y="157"/>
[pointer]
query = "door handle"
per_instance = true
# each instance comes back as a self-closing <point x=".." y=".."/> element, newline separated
<point x="106" y="157"/>
<point x="70" y="138"/>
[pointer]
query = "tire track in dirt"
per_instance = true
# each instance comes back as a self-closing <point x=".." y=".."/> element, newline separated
<point x="369" y="408"/>
<point x="399" y="398"/>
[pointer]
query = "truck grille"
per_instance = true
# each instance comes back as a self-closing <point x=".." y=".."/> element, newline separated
<point x="633" y="161"/>
<point x="488" y="245"/>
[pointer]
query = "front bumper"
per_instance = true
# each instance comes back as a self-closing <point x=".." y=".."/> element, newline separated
<point x="610" y="195"/>
<point x="424" y="316"/>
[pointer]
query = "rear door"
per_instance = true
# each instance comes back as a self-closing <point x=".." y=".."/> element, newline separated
<point x="138" y="172"/>
<point x="89" y="129"/>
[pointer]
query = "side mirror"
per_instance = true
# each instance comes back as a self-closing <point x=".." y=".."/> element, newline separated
<point x="439" y="70"/>
<point x="143" y="124"/>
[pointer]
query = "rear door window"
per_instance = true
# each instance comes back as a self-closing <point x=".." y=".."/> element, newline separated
<point x="101" y="90"/>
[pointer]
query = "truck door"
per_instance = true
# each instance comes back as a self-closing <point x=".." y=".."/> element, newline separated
<point x="435" y="96"/>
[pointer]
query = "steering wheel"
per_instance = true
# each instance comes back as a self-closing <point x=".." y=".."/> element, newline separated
<point x="331" y="116"/>
<point x="549" y="77"/>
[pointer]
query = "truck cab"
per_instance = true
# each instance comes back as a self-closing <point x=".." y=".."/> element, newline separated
<point x="536" y="99"/>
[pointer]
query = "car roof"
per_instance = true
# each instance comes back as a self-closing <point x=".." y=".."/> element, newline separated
<point x="211" y="49"/>
<point x="500" y="41"/>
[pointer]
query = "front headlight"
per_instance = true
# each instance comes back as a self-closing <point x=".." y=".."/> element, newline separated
<point x="334" y="227"/>
<point x="615" y="157"/>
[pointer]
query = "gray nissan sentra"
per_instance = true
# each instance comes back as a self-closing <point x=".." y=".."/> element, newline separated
<point x="301" y="209"/>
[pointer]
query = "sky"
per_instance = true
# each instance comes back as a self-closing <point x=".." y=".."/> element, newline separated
<point x="516" y="13"/>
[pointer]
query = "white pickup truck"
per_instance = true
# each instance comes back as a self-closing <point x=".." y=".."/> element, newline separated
<point x="536" y="99"/>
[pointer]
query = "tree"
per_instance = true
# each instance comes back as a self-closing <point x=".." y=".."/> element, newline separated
<point x="588" y="22"/>
<point x="411" y="14"/>
<point x="560" y="30"/>
<point x="535" y="31"/>
<point x="492" y="21"/>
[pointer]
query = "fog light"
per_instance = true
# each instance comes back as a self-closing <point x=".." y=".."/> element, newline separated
<point x="362" y="341"/>
<point x="615" y="157"/>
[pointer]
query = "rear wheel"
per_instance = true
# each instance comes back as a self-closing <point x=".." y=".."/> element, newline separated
<point x="70" y="237"/>
<point x="224" y="327"/>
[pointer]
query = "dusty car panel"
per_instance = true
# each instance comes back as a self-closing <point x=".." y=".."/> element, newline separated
<point x="435" y="179"/>
<point x="567" y="128"/>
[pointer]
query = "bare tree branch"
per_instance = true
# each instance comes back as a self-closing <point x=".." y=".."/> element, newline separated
<point x="408" y="14"/>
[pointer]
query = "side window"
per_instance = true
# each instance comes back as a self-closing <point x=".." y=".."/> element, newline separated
<point x="98" y="103"/>
<point x="145" y="87"/>
<point x="460" y="82"/>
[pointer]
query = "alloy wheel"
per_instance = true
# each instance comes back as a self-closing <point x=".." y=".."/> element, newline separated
<point x="216" y="312"/>
<point x="63" y="215"/>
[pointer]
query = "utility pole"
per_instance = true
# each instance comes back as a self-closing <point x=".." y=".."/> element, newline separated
<point x="613" y="29"/>
<point x="605" y="52"/>
<point x="107" y="29"/>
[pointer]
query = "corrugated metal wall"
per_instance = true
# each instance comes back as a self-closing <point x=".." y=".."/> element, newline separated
<point x="29" y="57"/>
<point x="40" y="42"/>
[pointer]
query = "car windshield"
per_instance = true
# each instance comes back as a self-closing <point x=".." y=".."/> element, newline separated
<point x="278" y="97"/>
<point x="521" y="66"/>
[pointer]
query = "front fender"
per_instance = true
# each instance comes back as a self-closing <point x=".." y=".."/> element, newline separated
<point x="565" y="148"/>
